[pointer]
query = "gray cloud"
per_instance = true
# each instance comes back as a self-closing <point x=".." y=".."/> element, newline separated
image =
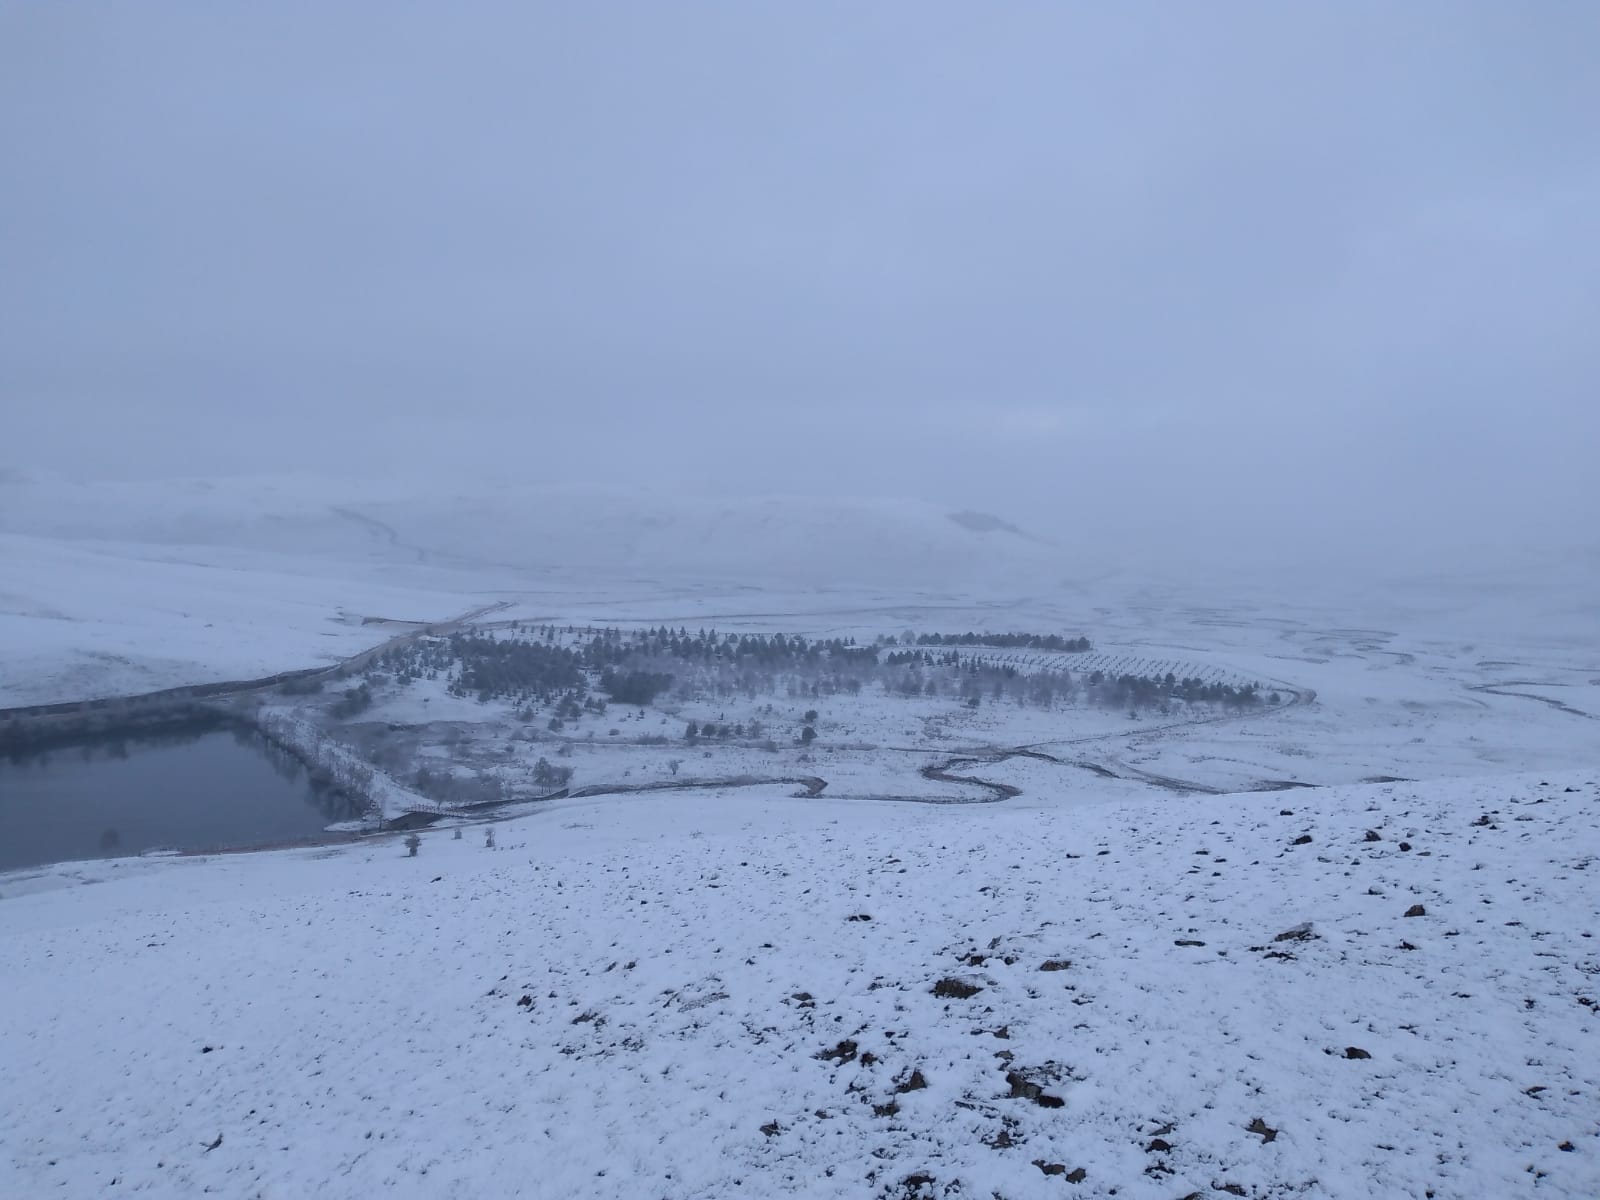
<point x="1236" y="273"/>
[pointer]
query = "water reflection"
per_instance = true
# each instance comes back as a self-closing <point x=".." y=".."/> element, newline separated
<point x="195" y="786"/>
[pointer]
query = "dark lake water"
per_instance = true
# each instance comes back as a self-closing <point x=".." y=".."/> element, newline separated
<point x="203" y="788"/>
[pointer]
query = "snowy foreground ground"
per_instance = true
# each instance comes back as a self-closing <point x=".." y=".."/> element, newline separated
<point x="724" y="994"/>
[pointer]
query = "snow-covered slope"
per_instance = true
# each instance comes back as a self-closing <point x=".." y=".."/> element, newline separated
<point x="740" y="995"/>
<point x="81" y="620"/>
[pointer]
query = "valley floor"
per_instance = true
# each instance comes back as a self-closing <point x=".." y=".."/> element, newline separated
<point x="713" y="994"/>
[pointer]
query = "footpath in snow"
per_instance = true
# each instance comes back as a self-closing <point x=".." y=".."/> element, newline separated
<point x="1356" y="992"/>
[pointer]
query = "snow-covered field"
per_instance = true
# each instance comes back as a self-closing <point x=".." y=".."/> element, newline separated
<point x="734" y="994"/>
<point x="712" y="992"/>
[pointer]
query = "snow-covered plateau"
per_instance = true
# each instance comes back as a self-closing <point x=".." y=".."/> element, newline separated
<point x="1141" y="976"/>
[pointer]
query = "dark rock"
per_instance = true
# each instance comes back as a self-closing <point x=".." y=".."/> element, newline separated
<point x="526" y="1001"/>
<point x="1023" y="1088"/>
<point x="1050" y="1168"/>
<point x="1300" y="933"/>
<point x="1355" y="1052"/>
<point x="772" y="1129"/>
<point x="1303" y="840"/>
<point x="1187" y="942"/>
<point x="1566" y="1146"/>
<point x="1077" y="1175"/>
<point x="915" y="1083"/>
<point x="1405" y="845"/>
<point x="1371" y="836"/>
<point x="1286" y="812"/>
<point x="844" y="1052"/>
<point x="1416" y="910"/>
<point x="950" y="988"/>
<point x="1055" y="964"/>
<point x="1267" y="1133"/>
<point x="859" y="917"/>
<point x="1158" y="1146"/>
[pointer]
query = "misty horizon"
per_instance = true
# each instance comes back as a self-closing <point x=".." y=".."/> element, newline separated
<point x="1253" y="279"/>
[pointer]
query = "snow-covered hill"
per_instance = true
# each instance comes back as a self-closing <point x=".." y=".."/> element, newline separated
<point x="748" y="994"/>
<point x="814" y="541"/>
<point x="110" y="588"/>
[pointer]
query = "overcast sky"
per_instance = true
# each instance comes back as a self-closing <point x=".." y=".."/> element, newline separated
<point x="1282" y="271"/>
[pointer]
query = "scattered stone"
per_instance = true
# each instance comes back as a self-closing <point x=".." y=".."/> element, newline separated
<point x="214" y="1144"/>
<point x="1371" y="836"/>
<point x="1023" y="1088"/>
<point x="1416" y="910"/>
<point x="1055" y="964"/>
<point x="1286" y="812"/>
<point x="772" y="1129"/>
<point x="885" y="1110"/>
<point x="1535" y="1090"/>
<point x="1077" y="1175"/>
<point x="859" y="917"/>
<point x="207" y="1049"/>
<point x="1158" y="1146"/>
<point x="843" y="1053"/>
<point x="1405" y="845"/>
<point x="1001" y="1141"/>
<point x="1266" y="1132"/>
<point x="1299" y="933"/>
<point x="1568" y="1147"/>
<point x="868" y="1058"/>
<point x="1407" y="946"/>
<point x="915" y="1083"/>
<point x="1233" y="1189"/>
<point x="1187" y="942"/>
<point x="1355" y="1052"/>
<point x="1303" y="840"/>
<point x="950" y="988"/>
<point x="526" y="1001"/>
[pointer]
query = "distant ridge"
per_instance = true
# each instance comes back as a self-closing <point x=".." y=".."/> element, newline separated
<point x="818" y="541"/>
<point x="982" y="522"/>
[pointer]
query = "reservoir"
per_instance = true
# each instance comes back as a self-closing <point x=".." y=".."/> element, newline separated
<point x="198" y="788"/>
